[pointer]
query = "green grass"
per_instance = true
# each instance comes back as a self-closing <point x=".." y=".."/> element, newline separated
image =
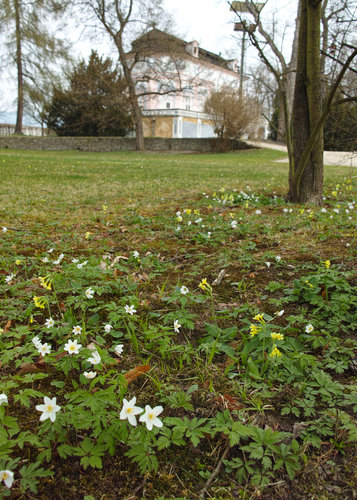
<point x="239" y="420"/>
<point x="34" y="182"/>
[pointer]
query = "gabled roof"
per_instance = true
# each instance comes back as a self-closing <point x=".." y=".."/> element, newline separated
<point x="159" y="42"/>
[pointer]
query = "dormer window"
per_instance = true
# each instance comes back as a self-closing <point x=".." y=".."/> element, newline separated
<point x="192" y="48"/>
<point x="233" y="65"/>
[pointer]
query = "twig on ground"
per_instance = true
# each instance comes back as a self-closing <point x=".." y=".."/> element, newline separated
<point x="215" y="472"/>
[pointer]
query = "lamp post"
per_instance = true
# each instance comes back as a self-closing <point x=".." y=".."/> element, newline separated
<point x="244" y="27"/>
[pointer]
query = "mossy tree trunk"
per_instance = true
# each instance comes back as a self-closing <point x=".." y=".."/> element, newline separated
<point x="306" y="167"/>
<point x="20" y="85"/>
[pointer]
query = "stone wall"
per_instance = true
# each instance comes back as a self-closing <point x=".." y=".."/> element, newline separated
<point x="105" y="144"/>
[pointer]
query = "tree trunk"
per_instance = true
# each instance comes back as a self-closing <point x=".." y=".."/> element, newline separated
<point x="306" y="167"/>
<point x="133" y="98"/>
<point x="20" y="88"/>
<point x="291" y="76"/>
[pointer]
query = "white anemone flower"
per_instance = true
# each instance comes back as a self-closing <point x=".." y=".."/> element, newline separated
<point x="48" y="409"/>
<point x="184" y="290"/>
<point x="8" y="477"/>
<point x="95" y="359"/>
<point x="3" y="399"/>
<point x="72" y="347"/>
<point x="77" y="330"/>
<point x="309" y="328"/>
<point x="58" y="261"/>
<point x="36" y="342"/>
<point x="107" y="328"/>
<point x="130" y="309"/>
<point x="49" y="323"/>
<point x="90" y="375"/>
<point x="9" y="278"/>
<point x="177" y="326"/>
<point x="119" y="349"/>
<point x="44" y="349"/>
<point x="89" y="293"/>
<point x="129" y="411"/>
<point x="150" y="417"/>
<point x="4" y="229"/>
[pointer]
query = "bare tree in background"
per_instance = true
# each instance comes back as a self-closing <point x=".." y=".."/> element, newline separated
<point x="124" y="21"/>
<point x="30" y="46"/>
<point x="232" y="115"/>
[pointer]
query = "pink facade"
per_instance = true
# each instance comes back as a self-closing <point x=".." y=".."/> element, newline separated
<point x="176" y="77"/>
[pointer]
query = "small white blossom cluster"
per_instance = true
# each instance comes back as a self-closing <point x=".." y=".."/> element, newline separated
<point x="186" y="213"/>
<point x="150" y="416"/>
<point x="42" y="348"/>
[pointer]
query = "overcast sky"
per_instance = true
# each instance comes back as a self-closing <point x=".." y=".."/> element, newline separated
<point x="211" y="23"/>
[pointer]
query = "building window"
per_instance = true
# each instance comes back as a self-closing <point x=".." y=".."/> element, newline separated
<point x="168" y="105"/>
<point x="187" y="103"/>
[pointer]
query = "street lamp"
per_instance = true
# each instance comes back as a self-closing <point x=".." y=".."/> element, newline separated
<point x="244" y="27"/>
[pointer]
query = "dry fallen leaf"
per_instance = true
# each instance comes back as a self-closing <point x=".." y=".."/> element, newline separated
<point x="32" y="368"/>
<point x="7" y="326"/>
<point x="136" y="372"/>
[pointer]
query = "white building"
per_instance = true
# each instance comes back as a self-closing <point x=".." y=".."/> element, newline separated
<point x="175" y="78"/>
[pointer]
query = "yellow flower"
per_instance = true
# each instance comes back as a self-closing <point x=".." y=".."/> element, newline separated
<point x="87" y="235"/>
<point x="104" y="207"/>
<point x="204" y="285"/>
<point x="327" y="263"/>
<point x="254" y="329"/>
<point x="46" y="282"/>
<point x="275" y="352"/>
<point x="39" y="302"/>
<point x="259" y="317"/>
<point x="334" y="193"/>
<point x="302" y="210"/>
<point x="197" y="212"/>
<point x="188" y="211"/>
<point x="277" y="336"/>
<point x="17" y="262"/>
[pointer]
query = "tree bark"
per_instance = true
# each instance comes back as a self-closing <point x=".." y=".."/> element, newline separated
<point x="20" y="88"/>
<point x="306" y="181"/>
<point x="137" y="116"/>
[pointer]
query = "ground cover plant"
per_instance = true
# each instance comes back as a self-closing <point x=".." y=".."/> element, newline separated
<point x="172" y="328"/>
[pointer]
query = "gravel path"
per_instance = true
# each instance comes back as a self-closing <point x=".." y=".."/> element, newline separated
<point x="343" y="158"/>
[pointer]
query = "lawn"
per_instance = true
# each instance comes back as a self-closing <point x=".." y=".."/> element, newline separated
<point x="172" y="328"/>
